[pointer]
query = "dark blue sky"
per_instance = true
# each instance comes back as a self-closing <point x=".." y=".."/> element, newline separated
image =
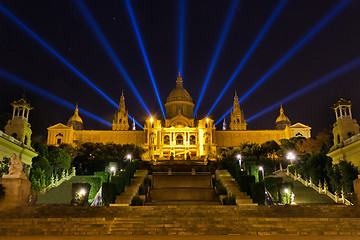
<point x="62" y="26"/>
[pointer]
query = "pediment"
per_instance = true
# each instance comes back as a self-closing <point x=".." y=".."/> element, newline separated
<point x="299" y="125"/>
<point x="59" y="126"/>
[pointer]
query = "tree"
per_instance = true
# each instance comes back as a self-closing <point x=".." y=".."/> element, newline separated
<point x="348" y="174"/>
<point x="41" y="149"/>
<point x="59" y="159"/>
<point x="43" y="164"/>
<point x="321" y="143"/>
<point x="270" y="148"/>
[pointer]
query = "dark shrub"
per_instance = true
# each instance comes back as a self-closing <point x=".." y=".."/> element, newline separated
<point x="245" y="182"/>
<point x="108" y="193"/>
<point x="119" y="181"/>
<point x="258" y="193"/>
<point x="136" y="201"/>
<point x="229" y="200"/>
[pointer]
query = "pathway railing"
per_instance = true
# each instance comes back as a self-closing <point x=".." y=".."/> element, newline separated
<point x="55" y="181"/>
<point x="322" y="189"/>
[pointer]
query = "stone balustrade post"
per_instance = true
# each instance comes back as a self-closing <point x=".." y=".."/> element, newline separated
<point x="342" y="195"/>
<point x="320" y="187"/>
<point x="56" y="180"/>
<point x="52" y="180"/>
<point x="73" y="171"/>
<point x="63" y="174"/>
<point x="310" y="182"/>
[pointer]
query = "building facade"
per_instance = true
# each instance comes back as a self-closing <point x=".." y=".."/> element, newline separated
<point x="179" y="135"/>
<point x="17" y="136"/>
<point x="346" y="135"/>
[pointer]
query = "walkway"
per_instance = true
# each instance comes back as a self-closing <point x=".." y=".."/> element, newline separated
<point x="60" y="194"/>
<point x="306" y="195"/>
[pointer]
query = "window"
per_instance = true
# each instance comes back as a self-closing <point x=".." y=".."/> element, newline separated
<point x="192" y="140"/>
<point x="26" y="140"/>
<point x="167" y="139"/>
<point x="179" y="140"/>
<point x="59" y="135"/>
<point x="58" y="141"/>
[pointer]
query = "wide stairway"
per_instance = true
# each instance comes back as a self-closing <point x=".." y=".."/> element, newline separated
<point x="182" y="188"/>
<point x="59" y="220"/>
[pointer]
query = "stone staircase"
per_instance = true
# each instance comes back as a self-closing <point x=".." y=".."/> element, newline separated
<point x="182" y="188"/>
<point x="289" y="220"/>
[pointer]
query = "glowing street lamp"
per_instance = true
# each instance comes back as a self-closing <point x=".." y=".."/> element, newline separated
<point x="82" y="192"/>
<point x="291" y="156"/>
<point x="262" y="171"/>
<point x="239" y="159"/>
<point x="113" y="170"/>
<point x="128" y="157"/>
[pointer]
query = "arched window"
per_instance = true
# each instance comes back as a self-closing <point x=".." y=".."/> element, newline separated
<point x="192" y="140"/>
<point x="26" y="140"/>
<point x="179" y="140"/>
<point x="338" y="138"/>
<point x="298" y="135"/>
<point x="167" y="139"/>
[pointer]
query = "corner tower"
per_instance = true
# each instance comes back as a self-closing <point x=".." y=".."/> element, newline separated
<point x="75" y="121"/>
<point x="345" y="126"/>
<point x="237" y="121"/>
<point x="179" y="102"/>
<point x="282" y="121"/>
<point x="121" y="121"/>
<point x="19" y="127"/>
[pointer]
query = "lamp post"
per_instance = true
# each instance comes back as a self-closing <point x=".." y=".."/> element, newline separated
<point x="239" y="159"/>
<point x="128" y="157"/>
<point x="262" y="171"/>
<point x="290" y="156"/>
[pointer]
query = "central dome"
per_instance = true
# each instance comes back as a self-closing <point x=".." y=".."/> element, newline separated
<point x="179" y="93"/>
<point x="179" y="101"/>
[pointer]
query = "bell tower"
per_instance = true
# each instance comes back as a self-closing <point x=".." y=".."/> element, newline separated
<point x="345" y="126"/>
<point x="19" y="127"/>
<point x="121" y="121"/>
<point x="237" y="121"/>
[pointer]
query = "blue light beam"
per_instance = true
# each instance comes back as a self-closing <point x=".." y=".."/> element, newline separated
<point x="338" y="7"/>
<point x="250" y="51"/>
<point x="304" y="40"/>
<point x="224" y="32"/>
<point x="52" y="51"/>
<point x="181" y="33"/>
<point x="347" y="67"/>
<point x="105" y="44"/>
<point x="138" y="36"/>
<point x="11" y="78"/>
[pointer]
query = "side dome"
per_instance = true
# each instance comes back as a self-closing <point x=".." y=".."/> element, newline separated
<point x="179" y="102"/>
<point x="282" y="120"/>
<point x="75" y="121"/>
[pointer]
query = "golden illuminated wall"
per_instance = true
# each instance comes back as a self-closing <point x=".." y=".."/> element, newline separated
<point x="234" y="138"/>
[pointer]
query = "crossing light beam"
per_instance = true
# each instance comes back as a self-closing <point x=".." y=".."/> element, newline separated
<point x="304" y="40"/>
<point x="7" y="13"/>
<point x="250" y="51"/>
<point x="141" y="44"/>
<point x="105" y="44"/>
<point x="223" y="34"/>
<point x="345" y="68"/>
<point x="13" y="79"/>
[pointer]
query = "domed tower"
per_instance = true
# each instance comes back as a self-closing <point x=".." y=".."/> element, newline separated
<point x="75" y="121"/>
<point x="121" y="121"/>
<point x="282" y="121"/>
<point x="19" y="127"/>
<point x="237" y="121"/>
<point x="345" y="126"/>
<point x="179" y="102"/>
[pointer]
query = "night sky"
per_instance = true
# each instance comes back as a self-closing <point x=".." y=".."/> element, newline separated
<point x="63" y="27"/>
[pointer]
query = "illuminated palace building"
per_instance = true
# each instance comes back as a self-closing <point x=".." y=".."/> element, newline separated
<point x="179" y="135"/>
